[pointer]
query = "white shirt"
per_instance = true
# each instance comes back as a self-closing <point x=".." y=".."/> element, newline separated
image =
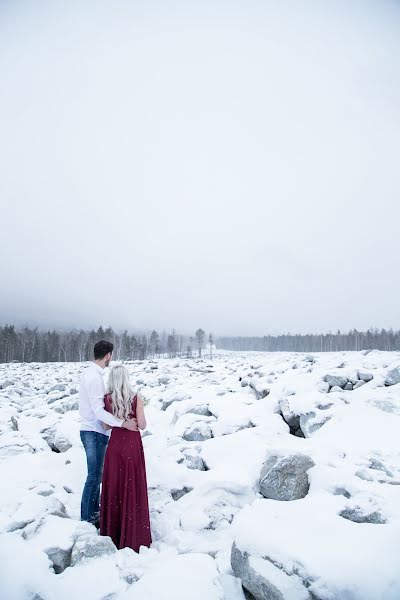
<point x="91" y="402"/>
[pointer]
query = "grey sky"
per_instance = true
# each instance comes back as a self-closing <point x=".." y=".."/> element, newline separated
<point x="230" y="165"/>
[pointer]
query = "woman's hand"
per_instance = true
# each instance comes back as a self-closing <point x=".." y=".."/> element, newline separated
<point x="130" y="424"/>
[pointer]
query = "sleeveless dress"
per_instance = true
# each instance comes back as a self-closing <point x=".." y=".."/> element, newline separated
<point x="124" y="508"/>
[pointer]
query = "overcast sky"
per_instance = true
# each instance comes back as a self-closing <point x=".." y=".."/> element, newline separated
<point x="229" y="165"/>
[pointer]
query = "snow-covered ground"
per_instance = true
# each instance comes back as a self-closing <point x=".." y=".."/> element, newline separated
<point x="280" y="471"/>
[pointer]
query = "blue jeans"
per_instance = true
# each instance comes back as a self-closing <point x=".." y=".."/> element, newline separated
<point x="95" y="445"/>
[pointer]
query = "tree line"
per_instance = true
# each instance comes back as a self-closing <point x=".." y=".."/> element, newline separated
<point x="34" y="345"/>
<point x="380" y="339"/>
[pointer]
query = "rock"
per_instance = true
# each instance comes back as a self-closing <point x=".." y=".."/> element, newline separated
<point x="167" y="403"/>
<point x="200" y="410"/>
<point x="325" y="406"/>
<point x="378" y="465"/>
<point x="358" y="384"/>
<point x="193" y="460"/>
<point x="364" y="376"/>
<point x="342" y="492"/>
<point x="59" y="387"/>
<point x="292" y="419"/>
<point x="52" y="397"/>
<point x="310" y="358"/>
<point x="348" y="386"/>
<point x="57" y="537"/>
<point x="164" y="379"/>
<point x="198" y="432"/>
<point x="309" y="423"/>
<point x="53" y="507"/>
<point x="176" y="494"/>
<point x="43" y="489"/>
<point x="336" y="380"/>
<point x="285" y="477"/>
<point x="6" y="384"/>
<point x="60" y="558"/>
<point x="260" y="385"/>
<point x="336" y="388"/>
<point x="66" y="405"/>
<point x="173" y="396"/>
<point x="358" y="515"/>
<point x="393" y="377"/>
<point x="57" y="443"/>
<point x="14" y="423"/>
<point x="13" y="443"/>
<point x="91" y="546"/>
<point x="264" y="580"/>
<point x="323" y="387"/>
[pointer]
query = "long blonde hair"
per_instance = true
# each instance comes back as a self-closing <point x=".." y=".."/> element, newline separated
<point x="121" y="391"/>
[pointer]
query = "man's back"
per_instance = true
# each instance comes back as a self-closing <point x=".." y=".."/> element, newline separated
<point x="91" y="391"/>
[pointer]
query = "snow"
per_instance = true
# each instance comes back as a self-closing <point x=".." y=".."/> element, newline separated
<point x="196" y="515"/>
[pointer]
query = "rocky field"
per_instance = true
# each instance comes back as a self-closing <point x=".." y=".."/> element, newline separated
<point x="271" y="476"/>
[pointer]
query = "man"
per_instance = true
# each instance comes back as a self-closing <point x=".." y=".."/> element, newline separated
<point x="93" y="436"/>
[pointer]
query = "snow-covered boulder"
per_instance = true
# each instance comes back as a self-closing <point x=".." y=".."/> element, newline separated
<point x="336" y="389"/>
<point x="365" y="376"/>
<point x="14" y="442"/>
<point x="193" y="460"/>
<point x="91" y="545"/>
<point x="359" y="384"/>
<point x="311" y="422"/>
<point x="393" y="377"/>
<point x="264" y="579"/>
<point x="200" y="410"/>
<point x="56" y="537"/>
<point x="5" y="384"/>
<point x="290" y="417"/>
<point x="66" y="405"/>
<point x="284" y="477"/>
<point x="198" y="432"/>
<point x="58" y="387"/>
<point x="336" y="380"/>
<point x="57" y="442"/>
<point x="28" y="519"/>
<point x="172" y="396"/>
<point x="261" y="386"/>
<point x="358" y="514"/>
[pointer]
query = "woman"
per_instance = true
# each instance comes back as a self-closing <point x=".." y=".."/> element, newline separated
<point x="124" y="509"/>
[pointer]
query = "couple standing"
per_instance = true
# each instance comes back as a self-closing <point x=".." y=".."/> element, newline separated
<point x="124" y="510"/>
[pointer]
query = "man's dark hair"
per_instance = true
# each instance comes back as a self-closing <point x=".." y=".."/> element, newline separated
<point x="102" y="348"/>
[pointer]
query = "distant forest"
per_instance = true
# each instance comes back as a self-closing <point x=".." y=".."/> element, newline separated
<point x="34" y="345"/>
<point x="379" y="339"/>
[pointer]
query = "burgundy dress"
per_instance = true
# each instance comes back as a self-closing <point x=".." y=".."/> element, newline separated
<point x="124" y="508"/>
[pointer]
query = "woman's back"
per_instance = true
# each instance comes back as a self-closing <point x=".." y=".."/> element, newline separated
<point x="124" y="504"/>
<point x="108" y="405"/>
<point x="124" y="442"/>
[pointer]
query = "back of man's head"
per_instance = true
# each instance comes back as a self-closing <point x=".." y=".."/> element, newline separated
<point x="102" y="348"/>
